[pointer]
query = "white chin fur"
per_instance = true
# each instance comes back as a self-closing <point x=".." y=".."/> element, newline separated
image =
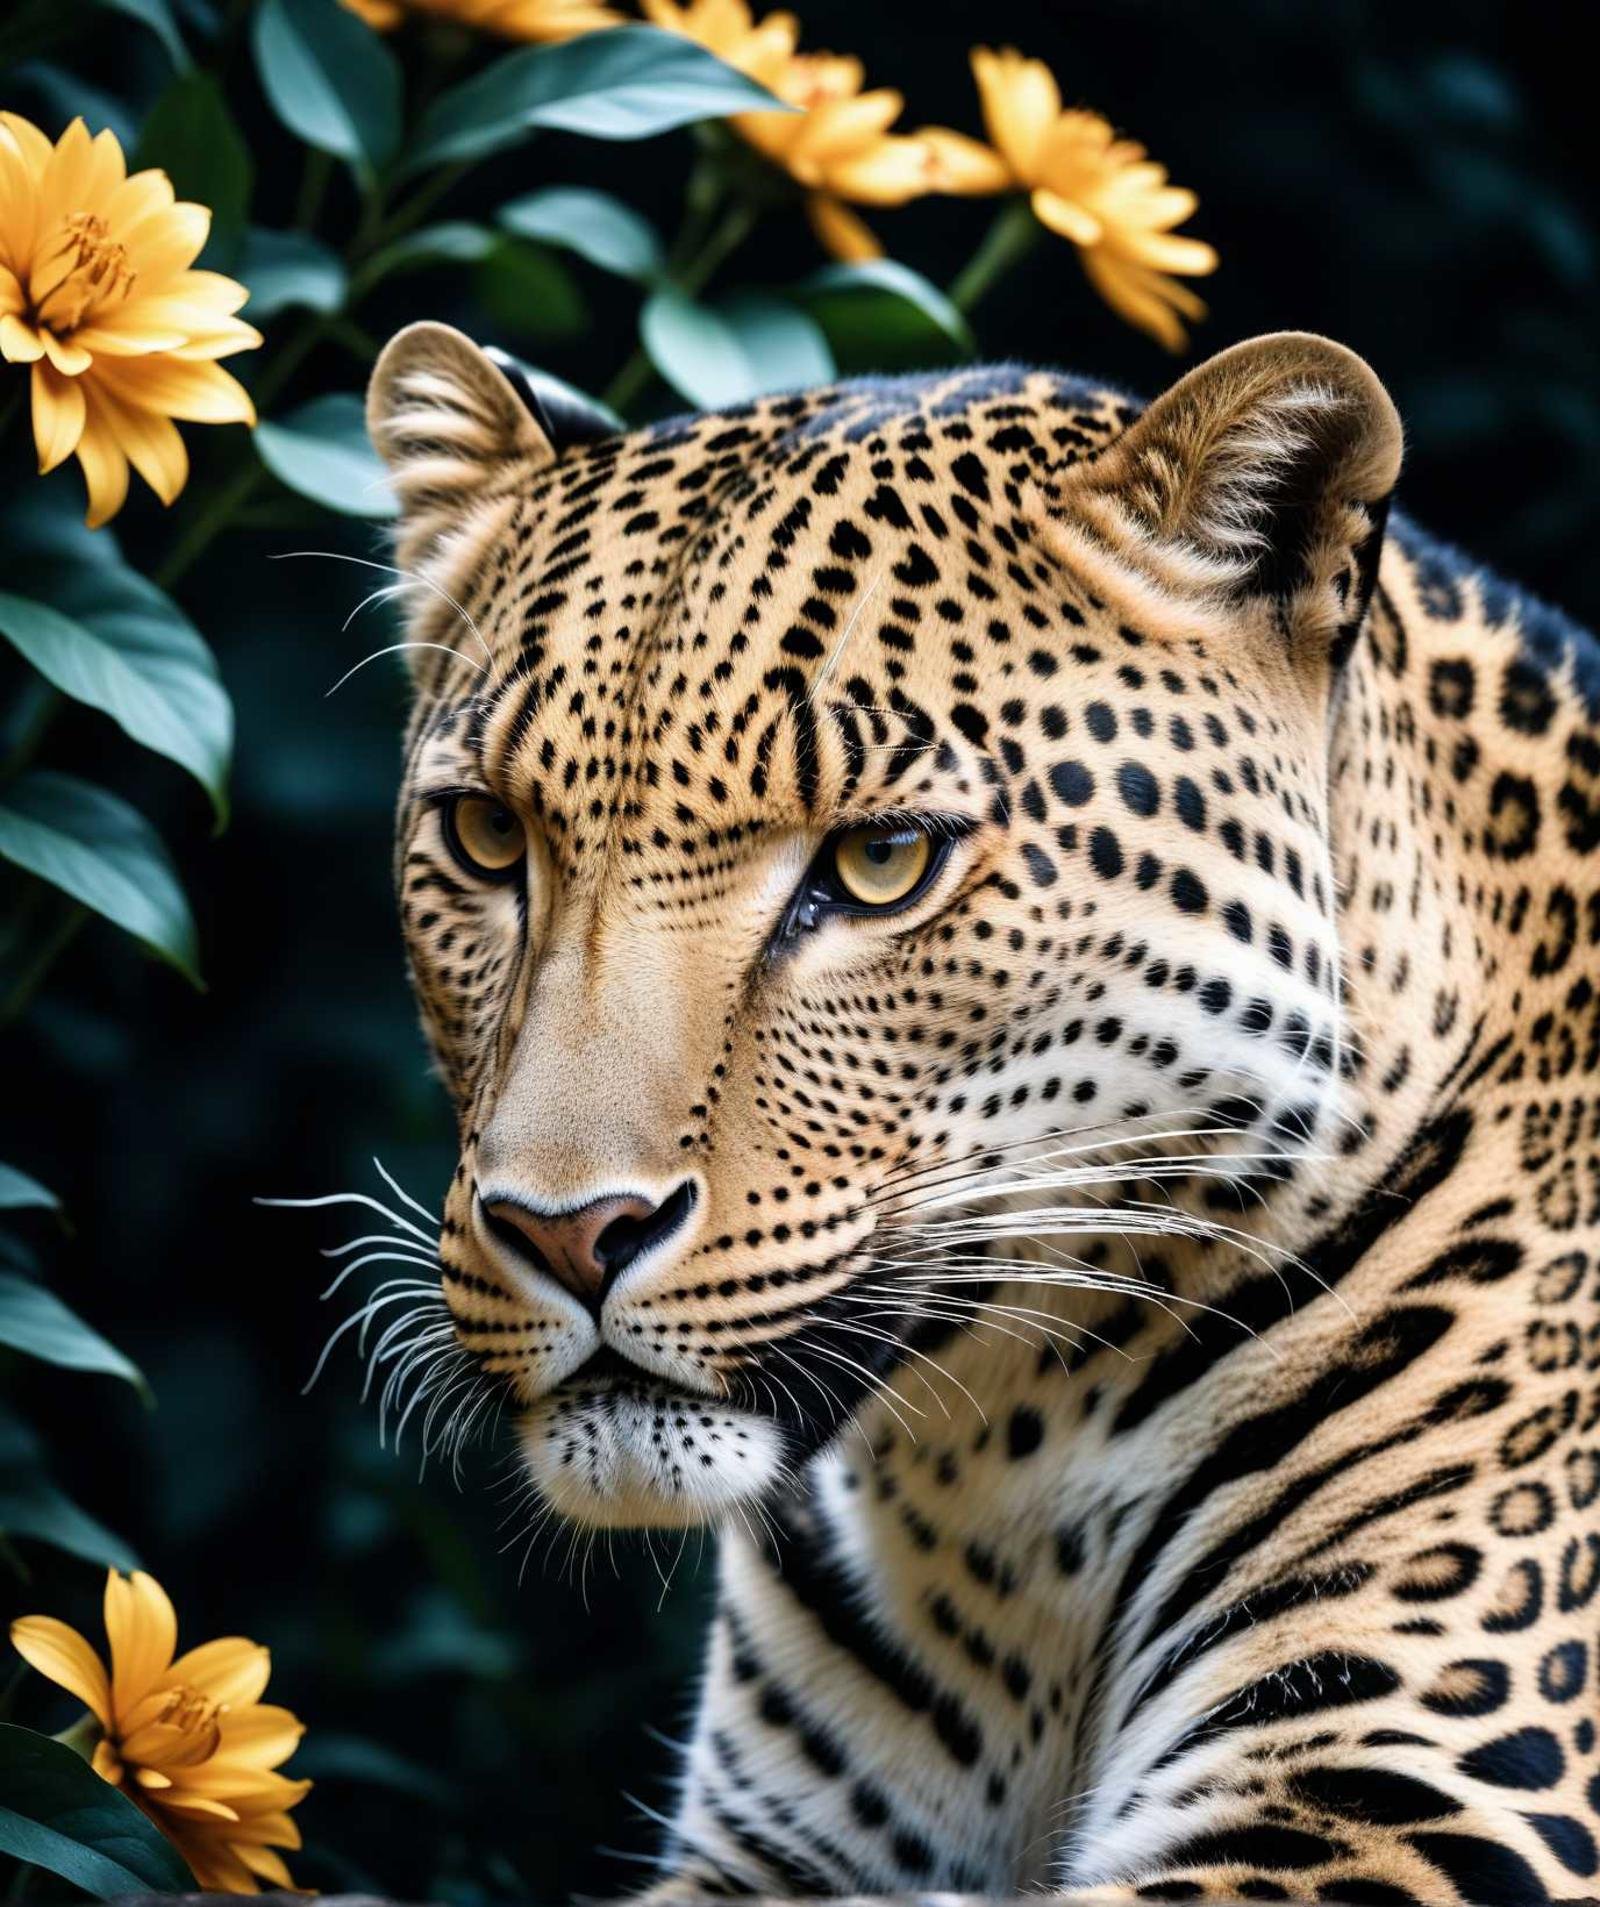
<point x="636" y="1461"/>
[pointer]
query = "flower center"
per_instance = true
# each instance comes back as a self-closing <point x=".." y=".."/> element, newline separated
<point x="84" y="266"/>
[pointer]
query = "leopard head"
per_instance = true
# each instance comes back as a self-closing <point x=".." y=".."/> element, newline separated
<point x="823" y="819"/>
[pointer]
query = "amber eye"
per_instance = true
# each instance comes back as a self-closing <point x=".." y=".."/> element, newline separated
<point x="880" y="867"/>
<point x="486" y="837"/>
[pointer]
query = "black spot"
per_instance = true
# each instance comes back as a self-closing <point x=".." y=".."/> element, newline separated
<point x="1379" y="1795"/>
<point x="1072" y="783"/>
<point x="1568" y="1840"/>
<point x="1102" y="721"/>
<point x="1477" y="1686"/>
<point x="1105" y="854"/>
<point x="1024" y="1433"/>
<point x="1526" y="1758"/>
<point x="1188" y="892"/>
<point x="1483" y="1872"/>
<point x="1140" y="790"/>
<point x="1262" y="1844"/>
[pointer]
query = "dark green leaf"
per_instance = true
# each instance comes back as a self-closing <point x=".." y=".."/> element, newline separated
<point x="321" y="451"/>
<point x="593" y="224"/>
<point x="726" y="354"/>
<point x="66" y="95"/>
<point x="19" y="1193"/>
<point x="530" y="293"/>
<point x="330" y="79"/>
<point x="56" y="1813"/>
<point x="36" y="1322"/>
<point x="289" y="269"/>
<point x="93" y="846"/>
<point x="189" y="133"/>
<point x="157" y="15"/>
<point x="882" y="316"/>
<point x="627" y="82"/>
<point x="33" y="1506"/>
<point x="139" y="661"/>
<point x="452" y="242"/>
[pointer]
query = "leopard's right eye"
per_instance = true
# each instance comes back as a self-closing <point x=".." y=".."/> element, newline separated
<point x="484" y="836"/>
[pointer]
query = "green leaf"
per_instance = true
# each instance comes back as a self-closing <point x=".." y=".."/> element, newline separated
<point x="321" y="451"/>
<point x="593" y="224"/>
<point x="726" y="354"/>
<point x="36" y="1322"/>
<point x="786" y="349"/>
<point x="331" y="80"/>
<point x="19" y="1192"/>
<point x="58" y="1814"/>
<point x="190" y="134"/>
<point x="627" y="82"/>
<point x="289" y="269"/>
<point x="882" y="316"/>
<point x="158" y="16"/>
<point x="62" y="95"/>
<point x="529" y="292"/>
<point x="136" y="659"/>
<point x="452" y="242"/>
<point x="102" y="852"/>
<point x="33" y="1506"/>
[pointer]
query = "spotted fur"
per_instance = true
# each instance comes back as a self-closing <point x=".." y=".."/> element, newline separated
<point x="1137" y="1315"/>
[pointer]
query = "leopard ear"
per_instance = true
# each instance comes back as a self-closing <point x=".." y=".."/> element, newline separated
<point x="1263" y="477"/>
<point x="452" y="428"/>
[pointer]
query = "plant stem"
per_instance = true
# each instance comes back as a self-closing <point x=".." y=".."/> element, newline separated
<point x="313" y="183"/>
<point x="212" y="518"/>
<point x="1012" y="235"/>
<point x="415" y="209"/>
<point x="52" y="943"/>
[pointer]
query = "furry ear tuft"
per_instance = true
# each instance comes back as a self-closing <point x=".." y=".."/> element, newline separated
<point x="1263" y="474"/>
<point x="452" y="429"/>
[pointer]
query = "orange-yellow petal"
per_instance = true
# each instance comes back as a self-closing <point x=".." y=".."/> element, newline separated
<point x="232" y="1669"/>
<point x="1144" y="298"/>
<point x="58" y="1651"/>
<point x="840" y="232"/>
<point x="105" y="471"/>
<point x="197" y="393"/>
<point x="1020" y="102"/>
<point x="141" y="1624"/>
<point x="20" y="342"/>
<point x="59" y="413"/>
<point x="960" y="165"/>
<point x="1066" y="218"/>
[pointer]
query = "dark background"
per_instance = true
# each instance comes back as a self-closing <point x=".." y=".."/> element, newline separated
<point x="1415" y="179"/>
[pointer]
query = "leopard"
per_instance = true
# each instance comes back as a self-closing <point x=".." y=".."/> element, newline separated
<point x="1019" y="975"/>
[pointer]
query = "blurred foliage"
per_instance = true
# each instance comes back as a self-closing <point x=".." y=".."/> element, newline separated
<point x="1405" y="179"/>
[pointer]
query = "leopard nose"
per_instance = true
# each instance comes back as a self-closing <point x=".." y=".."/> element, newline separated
<point x="588" y="1247"/>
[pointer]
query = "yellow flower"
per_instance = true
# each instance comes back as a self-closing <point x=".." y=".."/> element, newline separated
<point x="512" y="19"/>
<point x="837" y="145"/>
<point x="1114" y="203"/>
<point x="189" y="1740"/>
<point x="97" y="294"/>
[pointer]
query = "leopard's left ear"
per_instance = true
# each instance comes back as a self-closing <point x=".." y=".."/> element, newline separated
<point x="459" y="425"/>
<point x="1261" y="478"/>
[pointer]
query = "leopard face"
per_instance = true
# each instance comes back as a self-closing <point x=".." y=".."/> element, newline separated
<point x="827" y="819"/>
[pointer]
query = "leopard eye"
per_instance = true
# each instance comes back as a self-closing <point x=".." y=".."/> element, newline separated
<point x="485" y="836"/>
<point x="881" y="866"/>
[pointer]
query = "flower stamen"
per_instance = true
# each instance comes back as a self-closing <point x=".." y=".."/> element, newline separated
<point x="93" y="269"/>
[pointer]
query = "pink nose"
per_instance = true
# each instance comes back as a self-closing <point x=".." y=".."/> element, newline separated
<point x="586" y="1248"/>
